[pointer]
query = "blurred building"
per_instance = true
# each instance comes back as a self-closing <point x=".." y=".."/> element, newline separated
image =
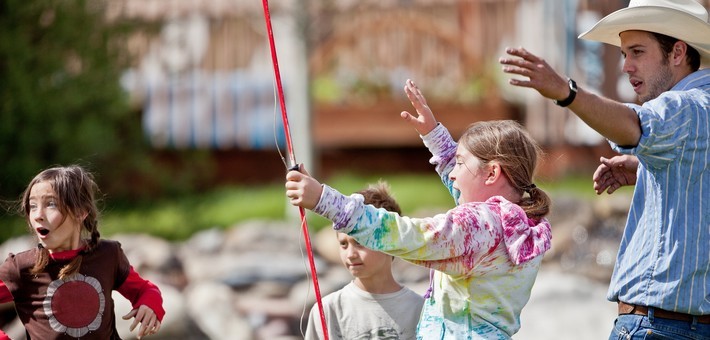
<point x="204" y="77"/>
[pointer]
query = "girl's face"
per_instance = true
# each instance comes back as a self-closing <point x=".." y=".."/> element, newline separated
<point x="469" y="176"/>
<point x="55" y="231"/>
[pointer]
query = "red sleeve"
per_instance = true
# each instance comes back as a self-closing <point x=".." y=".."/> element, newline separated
<point x="5" y="295"/>
<point x="142" y="292"/>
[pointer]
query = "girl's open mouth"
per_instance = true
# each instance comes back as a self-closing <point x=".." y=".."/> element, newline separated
<point x="43" y="231"/>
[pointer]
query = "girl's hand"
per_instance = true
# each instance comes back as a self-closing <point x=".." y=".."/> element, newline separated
<point x="302" y="190"/>
<point x="147" y="318"/>
<point x="424" y="121"/>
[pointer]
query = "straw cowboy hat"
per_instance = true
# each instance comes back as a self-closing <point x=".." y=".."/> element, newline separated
<point x="686" y="20"/>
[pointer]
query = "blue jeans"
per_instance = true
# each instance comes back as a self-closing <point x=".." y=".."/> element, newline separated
<point x="639" y="327"/>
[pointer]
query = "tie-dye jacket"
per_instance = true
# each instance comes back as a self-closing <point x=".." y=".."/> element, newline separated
<point x="486" y="255"/>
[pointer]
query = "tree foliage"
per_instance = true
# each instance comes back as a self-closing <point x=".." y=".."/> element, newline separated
<point x="61" y="101"/>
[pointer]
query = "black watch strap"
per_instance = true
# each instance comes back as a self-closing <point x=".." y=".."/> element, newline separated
<point x="572" y="94"/>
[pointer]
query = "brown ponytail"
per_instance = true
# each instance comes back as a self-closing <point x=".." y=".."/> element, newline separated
<point x="42" y="259"/>
<point x="537" y="204"/>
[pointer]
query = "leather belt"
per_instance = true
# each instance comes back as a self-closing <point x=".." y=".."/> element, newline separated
<point x="625" y="308"/>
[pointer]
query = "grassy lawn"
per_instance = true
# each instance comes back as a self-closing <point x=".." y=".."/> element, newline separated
<point x="179" y="217"/>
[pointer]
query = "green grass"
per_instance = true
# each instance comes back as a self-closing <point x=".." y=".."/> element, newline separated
<point x="177" y="218"/>
<point x="576" y="185"/>
<point x="180" y="217"/>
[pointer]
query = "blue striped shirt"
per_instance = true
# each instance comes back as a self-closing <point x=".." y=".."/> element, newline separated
<point x="664" y="257"/>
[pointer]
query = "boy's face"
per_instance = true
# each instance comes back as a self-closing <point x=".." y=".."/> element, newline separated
<point x="362" y="262"/>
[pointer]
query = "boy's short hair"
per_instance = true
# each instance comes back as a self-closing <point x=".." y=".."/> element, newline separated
<point x="379" y="196"/>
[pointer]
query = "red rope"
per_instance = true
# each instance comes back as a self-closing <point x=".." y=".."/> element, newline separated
<point x="292" y="159"/>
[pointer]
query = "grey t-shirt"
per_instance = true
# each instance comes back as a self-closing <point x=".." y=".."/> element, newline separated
<point x="352" y="313"/>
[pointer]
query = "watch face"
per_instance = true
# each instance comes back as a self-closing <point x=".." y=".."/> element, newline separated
<point x="572" y="94"/>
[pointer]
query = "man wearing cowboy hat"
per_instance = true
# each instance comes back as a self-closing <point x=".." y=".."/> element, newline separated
<point x="661" y="279"/>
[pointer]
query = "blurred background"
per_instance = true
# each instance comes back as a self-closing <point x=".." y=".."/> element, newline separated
<point x="172" y="104"/>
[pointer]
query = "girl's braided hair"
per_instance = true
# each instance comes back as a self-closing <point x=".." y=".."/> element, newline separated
<point x="76" y="192"/>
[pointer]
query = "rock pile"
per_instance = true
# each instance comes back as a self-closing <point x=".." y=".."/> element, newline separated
<point x="251" y="281"/>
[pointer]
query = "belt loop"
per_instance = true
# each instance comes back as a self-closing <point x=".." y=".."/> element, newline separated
<point x="694" y="323"/>
<point x="651" y="312"/>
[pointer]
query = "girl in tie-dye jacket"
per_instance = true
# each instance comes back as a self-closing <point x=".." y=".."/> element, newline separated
<point x="485" y="253"/>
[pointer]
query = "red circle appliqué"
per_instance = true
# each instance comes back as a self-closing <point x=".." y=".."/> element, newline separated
<point x="75" y="305"/>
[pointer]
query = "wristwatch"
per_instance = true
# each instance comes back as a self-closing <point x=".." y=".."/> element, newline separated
<point x="572" y="94"/>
